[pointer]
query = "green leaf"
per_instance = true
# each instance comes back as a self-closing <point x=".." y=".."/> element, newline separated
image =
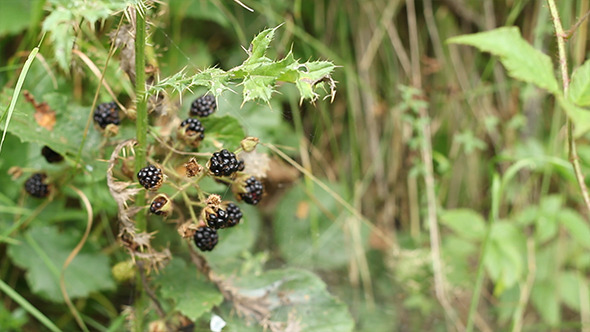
<point x="299" y="297"/>
<point x="467" y="223"/>
<point x="569" y="289"/>
<point x="579" y="90"/>
<point x="60" y="23"/>
<point x="259" y="45"/>
<point x="576" y="226"/>
<point x="522" y="61"/>
<point x="42" y="252"/>
<point x="14" y="17"/>
<point x="504" y="259"/>
<point x="546" y="300"/>
<point x="306" y="235"/>
<point x="191" y="293"/>
<point x="224" y="129"/>
<point x="580" y="117"/>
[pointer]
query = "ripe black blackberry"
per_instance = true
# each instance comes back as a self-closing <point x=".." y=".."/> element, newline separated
<point x="36" y="186"/>
<point x="234" y="214"/>
<point x="161" y="205"/>
<point x="206" y="238"/>
<point x="253" y="190"/>
<point x="191" y="131"/>
<point x="150" y="177"/>
<point x="216" y="218"/>
<point x="50" y="155"/>
<point x="106" y="114"/>
<point x="203" y="106"/>
<point x="224" y="163"/>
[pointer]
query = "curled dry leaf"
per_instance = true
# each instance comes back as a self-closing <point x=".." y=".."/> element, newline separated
<point x="44" y="115"/>
<point x="138" y="244"/>
<point x="125" y="40"/>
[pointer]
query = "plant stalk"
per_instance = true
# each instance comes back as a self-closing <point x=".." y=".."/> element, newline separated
<point x="141" y="107"/>
<point x="571" y="143"/>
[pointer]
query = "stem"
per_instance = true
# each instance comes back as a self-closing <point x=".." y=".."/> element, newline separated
<point x="141" y="105"/>
<point x="571" y="143"/>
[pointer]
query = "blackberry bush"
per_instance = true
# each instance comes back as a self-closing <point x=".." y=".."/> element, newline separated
<point x="251" y="191"/>
<point x="191" y="131"/>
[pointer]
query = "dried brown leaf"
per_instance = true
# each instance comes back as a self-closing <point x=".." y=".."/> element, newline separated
<point x="44" y="115"/>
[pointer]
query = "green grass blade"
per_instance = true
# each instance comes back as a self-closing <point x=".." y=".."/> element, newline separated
<point x="19" y="85"/>
<point x="28" y="307"/>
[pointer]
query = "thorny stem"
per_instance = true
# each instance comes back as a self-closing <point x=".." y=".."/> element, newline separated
<point x="141" y="105"/>
<point x="571" y="143"/>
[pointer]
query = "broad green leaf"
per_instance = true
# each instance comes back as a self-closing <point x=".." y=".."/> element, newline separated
<point x="299" y="295"/>
<point x="14" y="17"/>
<point x="580" y="117"/>
<point x="308" y="237"/>
<point x="545" y="299"/>
<point x="569" y="289"/>
<point x="504" y="259"/>
<point x="466" y="223"/>
<point x="576" y="226"/>
<point x="579" y="90"/>
<point x="191" y="293"/>
<point x="522" y="61"/>
<point x="69" y="128"/>
<point x="225" y="130"/>
<point x="42" y="252"/>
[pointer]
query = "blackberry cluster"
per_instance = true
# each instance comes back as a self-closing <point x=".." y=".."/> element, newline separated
<point x="150" y="177"/>
<point x="206" y="238"/>
<point x="193" y="127"/>
<point x="223" y="218"/>
<point x="106" y="114"/>
<point x="254" y="190"/>
<point x="225" y="163"/>
<point x="36" y="186"/>
<point x="234" y="214"/>
<point x="50" y="155"/>
<point x="203" y="106"/>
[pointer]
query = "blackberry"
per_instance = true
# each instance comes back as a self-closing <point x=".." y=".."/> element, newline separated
<point x="150" y="177"/>
<point x="206" y="238"/>
<point x="161" y="205"/>
<point x="234" y="214"/>
<point x="36" y="187"/>
<point x="216" y="218"/>
<point x="191" y="131"/>
<point x="50" y="155"/>
<point x="253" y="191"/>
<point x="203" y="106"/>
<point x="106" y="114"/>
<point x="225" y="163"/>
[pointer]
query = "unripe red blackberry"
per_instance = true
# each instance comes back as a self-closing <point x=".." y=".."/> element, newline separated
<point x="150" y="177"/>
<point x="36" y="186"/>
<point x="224" y="163"/>
<point x="206" y="238"/>
<point x="203" y="106"/>
<point x="250" y="190"/>
<point x="50" y="155"/>
<point x="191" y="131"/>
<point x="106" y="114"/>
